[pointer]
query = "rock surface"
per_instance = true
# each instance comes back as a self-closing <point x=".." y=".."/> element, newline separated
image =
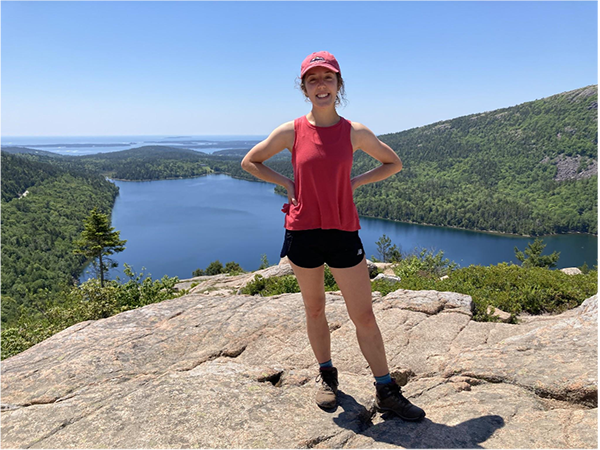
<point x="237" y="371"/>
<point x="383" y="276"/>
<point x="503" y="316"/>
<point x="571" y="271"/>
<point x="574" y="167"/>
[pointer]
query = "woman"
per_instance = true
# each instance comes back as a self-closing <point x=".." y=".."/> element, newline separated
<point x="322" y="222"/>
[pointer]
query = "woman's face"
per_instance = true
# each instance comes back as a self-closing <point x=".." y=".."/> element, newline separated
<point x="321" y="86"/>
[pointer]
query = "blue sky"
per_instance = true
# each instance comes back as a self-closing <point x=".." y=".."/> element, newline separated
<point x="213" y="68"/>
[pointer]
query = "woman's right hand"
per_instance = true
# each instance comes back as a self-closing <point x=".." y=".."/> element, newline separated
<point x="291" y="192"/>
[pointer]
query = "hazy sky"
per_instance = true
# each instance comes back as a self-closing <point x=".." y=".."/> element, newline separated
<point x="193" y="68"/>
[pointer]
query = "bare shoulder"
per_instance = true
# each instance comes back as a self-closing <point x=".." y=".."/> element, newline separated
<point x="364" y="139"/>
<point x="280" y="138"/>
<point x="284" y="133"/>
<point x="360" y="135"/>
<point x="286" y="129"/>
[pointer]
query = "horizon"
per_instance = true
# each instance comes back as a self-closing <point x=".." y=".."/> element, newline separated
<point x="188" y="135"/>
<point x="226" y="69"/>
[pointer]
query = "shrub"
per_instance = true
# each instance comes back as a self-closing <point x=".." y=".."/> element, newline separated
<point x="425" y="264"/>
<point x="264" y="262"/>
<point x="214" y="268"/>
<point x="512" y="288"/>
<point x="88" y="301"/>
<point x="266" y="287"/>
<point x="233" y="268"/>
<point x="287" y="284"/>
<point x="385" y="286"/>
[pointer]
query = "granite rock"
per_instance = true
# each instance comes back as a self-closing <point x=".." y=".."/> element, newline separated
<point x="235" y="371"/>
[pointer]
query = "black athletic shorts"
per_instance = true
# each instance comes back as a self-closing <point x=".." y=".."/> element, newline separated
<point x="311" y="248"/>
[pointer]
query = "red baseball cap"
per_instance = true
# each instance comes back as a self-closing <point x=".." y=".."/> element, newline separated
<point x="319" y="59"/>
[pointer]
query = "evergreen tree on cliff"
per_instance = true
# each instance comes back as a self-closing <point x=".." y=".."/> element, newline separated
<point x="532" y="257"/>
<point x="99" y="240"/>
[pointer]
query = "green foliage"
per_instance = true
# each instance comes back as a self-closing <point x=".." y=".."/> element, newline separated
<point x="19" y="174"/>
<point x="512" y="288"/>
<point x="329" y="280"/>
<point x="386" y="251"/>
<point x="264" y="262"/>
<point x="533" y="255"/>
<point x="493" y="171"/>
<point x="233" y="268"/>
<point x="266" y="287"/>
<point x="88" y="301"/>
<point x="99" y="240"/>
<point x="146" y="163"/>
<point x="425" y="264"/>
<point x="38" y="230"/>
<point x="584" y="268"/>
<point x="216" y="268"/>
<point x="385" y="286"/>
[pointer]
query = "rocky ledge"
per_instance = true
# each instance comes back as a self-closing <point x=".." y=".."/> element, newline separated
<point x="237" y="371"/>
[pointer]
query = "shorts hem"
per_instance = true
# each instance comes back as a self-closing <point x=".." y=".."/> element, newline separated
<point x="348" y="267"/>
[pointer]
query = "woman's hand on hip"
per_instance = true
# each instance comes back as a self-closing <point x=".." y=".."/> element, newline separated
<point x="291" y="192"/>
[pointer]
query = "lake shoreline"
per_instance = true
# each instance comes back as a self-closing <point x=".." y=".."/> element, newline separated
<point x="500" y="233"/>
<point x="493" y="232"/>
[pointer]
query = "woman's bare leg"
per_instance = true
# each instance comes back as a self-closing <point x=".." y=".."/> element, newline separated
<point x="311" y="283"/>
<point x="355" y="284"/>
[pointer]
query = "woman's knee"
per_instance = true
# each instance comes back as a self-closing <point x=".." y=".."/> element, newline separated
<point x="315" y="309"/>
<point x="364" y="319"/>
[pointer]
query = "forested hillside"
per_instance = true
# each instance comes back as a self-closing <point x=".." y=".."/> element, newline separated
<point x="496" y="170"/>
<point x="147" y="163"/>
<point x="38" y="229"/>
<point x="18" y="174"/>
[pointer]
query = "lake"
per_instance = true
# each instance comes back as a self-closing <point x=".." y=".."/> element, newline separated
<point x="173" y="227"/>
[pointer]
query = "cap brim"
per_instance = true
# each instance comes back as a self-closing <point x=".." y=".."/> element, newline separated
<point x="323" y="64"/>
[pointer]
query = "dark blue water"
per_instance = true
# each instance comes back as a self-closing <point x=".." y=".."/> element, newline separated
<point x="176" y="226"/>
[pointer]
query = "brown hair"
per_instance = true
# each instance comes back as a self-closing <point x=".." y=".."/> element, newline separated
<point x="340" y="97"/>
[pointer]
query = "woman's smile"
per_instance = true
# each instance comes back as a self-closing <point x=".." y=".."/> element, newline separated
<point x="321" y="85"/>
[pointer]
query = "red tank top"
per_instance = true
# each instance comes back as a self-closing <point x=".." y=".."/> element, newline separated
<point x="322" y="161"/>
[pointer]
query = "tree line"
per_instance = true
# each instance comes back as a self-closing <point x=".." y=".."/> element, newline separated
<point x="38" y="230"/>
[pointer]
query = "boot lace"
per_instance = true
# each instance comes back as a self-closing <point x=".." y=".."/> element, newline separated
<point x="326" y="381"/>
<point x="394" y="391"/>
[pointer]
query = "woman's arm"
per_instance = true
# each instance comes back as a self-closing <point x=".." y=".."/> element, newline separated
<point x="365" y="140"/>
<point x="280" y="139"/>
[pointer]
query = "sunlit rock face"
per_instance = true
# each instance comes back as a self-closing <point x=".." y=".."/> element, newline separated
<point x="237" y="371"/>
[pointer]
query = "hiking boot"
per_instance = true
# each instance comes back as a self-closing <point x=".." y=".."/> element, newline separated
<point x="328" y="389"/>
<point x="389" y="398"/>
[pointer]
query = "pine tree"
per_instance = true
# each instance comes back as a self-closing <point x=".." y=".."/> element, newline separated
<point x="387" y="251"/>
<point x="99" y="240"/>
<point x="534" y="256"/>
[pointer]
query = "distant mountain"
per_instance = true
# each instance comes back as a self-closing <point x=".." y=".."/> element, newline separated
<point x="29" y="151"/>
<point x="528" y="169"/>
<point x="151" y="162"/>
<point x="147" y="152"/>
<point x="231" y="152"/>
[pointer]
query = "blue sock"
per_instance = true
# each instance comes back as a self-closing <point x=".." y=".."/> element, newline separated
<point x="384" y="379"/>
<point x="326" y="365"/>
